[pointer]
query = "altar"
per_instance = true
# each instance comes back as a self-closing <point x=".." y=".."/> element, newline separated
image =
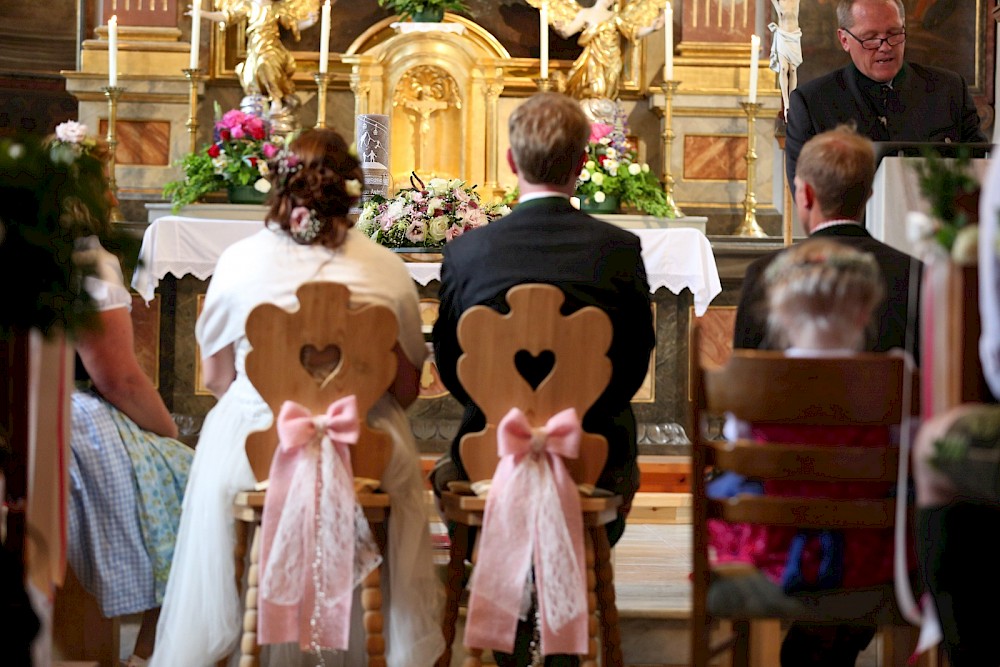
<point x="179" y="254"/>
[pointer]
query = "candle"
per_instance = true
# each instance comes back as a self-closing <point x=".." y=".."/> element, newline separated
<point x="668" y="36"/>
<point x="324" y="39"/>
<point x="195" y="35"/>
<point x="113" y="51"/>
<point x="754" y="63"/>
<point x="543" y="33"/>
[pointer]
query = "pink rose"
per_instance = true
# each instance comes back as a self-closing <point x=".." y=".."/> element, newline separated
<point x="233" y="118"/>
<point x="599" y="130"/>
<point x="270" y="150"/>
<point x="299" y="217"/>
<point x="237" y="132"/>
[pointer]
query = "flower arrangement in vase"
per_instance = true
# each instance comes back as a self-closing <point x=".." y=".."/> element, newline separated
<point x="423" y="10"/>
<point x="952" y="193"/>
<point x="427" y="216"/>
<point x="613" y="173"/>
<point x="237" y="158"/>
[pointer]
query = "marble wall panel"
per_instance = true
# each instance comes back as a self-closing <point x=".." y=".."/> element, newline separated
<point x="146" y="328"/>
<point x="141" y="142"/>
<point x="716" y="157"/>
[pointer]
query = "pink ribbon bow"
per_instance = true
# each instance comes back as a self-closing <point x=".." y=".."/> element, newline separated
<point x="316" y="543"/>
<point x="532" y="517"/>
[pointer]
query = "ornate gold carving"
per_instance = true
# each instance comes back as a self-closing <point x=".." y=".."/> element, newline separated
<point x="423" y="91"/>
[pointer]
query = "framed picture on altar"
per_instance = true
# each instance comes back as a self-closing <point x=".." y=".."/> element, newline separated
<point x="647" y="391"/>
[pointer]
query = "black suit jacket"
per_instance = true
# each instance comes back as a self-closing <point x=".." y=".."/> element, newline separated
<point x="889" y="321"/>
<point x="595" y="264"/>
<point x="926" y="104"/>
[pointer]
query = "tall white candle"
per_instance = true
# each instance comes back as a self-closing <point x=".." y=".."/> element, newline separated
<point x="324" y="39"/>
<point x="543" y="36"/>
<point x="113" y="51"/>
<point x="195" y="35"/>
<point x="668" y="38"/>
<point x="754" y="65"/>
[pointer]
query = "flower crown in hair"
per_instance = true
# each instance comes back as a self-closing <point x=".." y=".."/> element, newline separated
<point x="71" y="142"/>
<point x="286" y="163"/>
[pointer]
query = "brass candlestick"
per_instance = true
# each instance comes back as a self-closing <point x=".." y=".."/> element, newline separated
<point x="322" y="82"/>
<point x="669" y="88"/>
<point x="544" y="84"/>
<point x="192" y="75"/>
<point x="749" y="226"/>
<point x="113" y="93"/>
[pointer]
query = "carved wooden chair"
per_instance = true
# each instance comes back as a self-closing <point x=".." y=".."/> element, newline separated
<point x="315" y="355"/>
<point x="767" y="387"/>
<point x="570" y="369"/>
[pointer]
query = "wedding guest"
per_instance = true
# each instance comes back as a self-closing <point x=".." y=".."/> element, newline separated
<point x="885" y="98"/>
<point x="833" y="183"/>
<point x="546" y="240"/>
<point x="821" y="296"/>
<point x="127" y="472"/>
<point x="308" y="236"/>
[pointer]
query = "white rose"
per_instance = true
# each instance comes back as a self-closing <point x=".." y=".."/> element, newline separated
<point x="71" y="131"/>
<point x="395" y="210"/>
<point x="438" y="186"/>
<point x="612" y="167"/>
<point x="645" y="168"/>
<point x="590" y="165"/>
<point x="503" y="210"/>
<point x="599" y="197"/>
<point x="634" y="169"/>
<point x="584" y="175"/>
<point x="262" y="167"/>
<point x="437" y="228"/>
<point x="919" y="226"/>
<point x="965" y="250"/>
<point x="262" y="185"/>
<point x="598" y="178"/>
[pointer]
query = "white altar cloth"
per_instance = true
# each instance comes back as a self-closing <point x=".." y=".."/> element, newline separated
<point x="674" y="258"/>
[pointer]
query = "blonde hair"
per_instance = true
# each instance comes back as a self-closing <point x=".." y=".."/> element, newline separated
<point x="548" y="135"/>
<point x="824" y="292"/>
<point x="839" y="164"/>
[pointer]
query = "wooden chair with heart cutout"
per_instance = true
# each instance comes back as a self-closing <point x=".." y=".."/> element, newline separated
<point x="322" y="352"/>
<point x="541" y="362"/>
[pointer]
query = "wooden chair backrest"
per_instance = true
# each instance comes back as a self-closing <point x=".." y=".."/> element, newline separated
<point x="533" y="332"/>
<point x="866" y="389"/>
<point x="295" y="357"/>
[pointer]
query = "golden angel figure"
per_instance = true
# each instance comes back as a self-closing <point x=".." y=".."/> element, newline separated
<point x="269" y="66"/>
<point x="597" y="72"/>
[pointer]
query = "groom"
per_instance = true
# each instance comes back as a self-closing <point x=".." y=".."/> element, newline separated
<point x="546" y="240"/>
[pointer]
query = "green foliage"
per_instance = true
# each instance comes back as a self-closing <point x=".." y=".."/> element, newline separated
<point x="947" y="184"/>
<point x="199" y="180"/>
<point x="407" y="8"/>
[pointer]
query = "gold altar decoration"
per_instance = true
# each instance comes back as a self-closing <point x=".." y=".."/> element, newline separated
<point x="669" y="89"/>
<point x="597" y="72"/>
<point x="269" y="66"/>
<point x="749" y="226"/>
<point x="441" y="91"/>
<point x="423" y="91"/>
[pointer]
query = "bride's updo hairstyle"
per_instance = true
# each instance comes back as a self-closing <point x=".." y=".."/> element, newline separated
<point x="822" y="292"/>
<point x="315" y="180"/>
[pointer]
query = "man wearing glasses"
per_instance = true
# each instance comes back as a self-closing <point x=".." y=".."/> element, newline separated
<point x="886" y="98"/>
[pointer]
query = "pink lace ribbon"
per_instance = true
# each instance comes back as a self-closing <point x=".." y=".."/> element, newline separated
<point x="532" y="517"/>
<point x="316" y="543"/>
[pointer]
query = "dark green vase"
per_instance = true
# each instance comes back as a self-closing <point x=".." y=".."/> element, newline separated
<point x="246" y="194"/>
<point x="609" y="205"/>
<point x="429" y="15"/>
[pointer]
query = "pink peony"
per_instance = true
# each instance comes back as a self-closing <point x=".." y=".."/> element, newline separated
<point x="270" y="150"/>
<point x="600" y="130"/>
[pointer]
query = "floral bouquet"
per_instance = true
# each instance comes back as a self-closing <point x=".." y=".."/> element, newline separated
<point x="237" y="157"/>
<point x="427" y="216"/>
<point x="613" y="170"/>
<point x="952" y="192"/>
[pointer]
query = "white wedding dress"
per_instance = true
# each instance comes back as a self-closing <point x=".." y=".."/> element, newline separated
<point x="201" y="620"/>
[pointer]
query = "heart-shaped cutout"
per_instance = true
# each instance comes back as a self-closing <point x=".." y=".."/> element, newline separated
<point x="322" y="364"/>
<point x="534" y="368"/>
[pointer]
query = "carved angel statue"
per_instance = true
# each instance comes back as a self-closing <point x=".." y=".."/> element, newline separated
<point x="602" y="26"/>
<point x="269" y="66"/>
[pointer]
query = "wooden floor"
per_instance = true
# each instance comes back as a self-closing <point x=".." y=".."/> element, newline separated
<point x="652" y="564"/>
